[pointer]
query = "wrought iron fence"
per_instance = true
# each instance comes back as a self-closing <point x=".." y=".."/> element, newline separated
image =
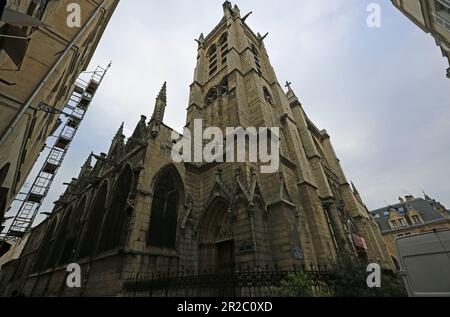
<point x="258" y="282"/>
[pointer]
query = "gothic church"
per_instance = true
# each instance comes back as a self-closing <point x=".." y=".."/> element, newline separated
<point x="136" y="211"/>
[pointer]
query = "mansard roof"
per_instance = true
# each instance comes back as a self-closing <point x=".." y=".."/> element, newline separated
<point x="426" y="208"/>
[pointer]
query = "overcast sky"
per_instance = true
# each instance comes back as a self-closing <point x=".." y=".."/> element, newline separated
<point x="381" y="93"/>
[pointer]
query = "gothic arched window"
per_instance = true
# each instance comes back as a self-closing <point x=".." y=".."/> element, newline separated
<point x="211" y="96"/>
<point x="267" y="95"/>
<point x="164" y="212"/>
<point x="212" y="50"/>
<point x="94" y="223"/>
<point x="45" y="247"/>
<point x="115" y="219"/>
<point x="223" y="39"/>
<point x="61" y="235"/>
<point x="73" y="231"/>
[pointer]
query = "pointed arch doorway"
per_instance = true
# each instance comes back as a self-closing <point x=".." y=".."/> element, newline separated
<point x="216" y="239"/>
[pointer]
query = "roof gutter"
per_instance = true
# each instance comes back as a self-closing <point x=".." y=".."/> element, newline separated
<point x="27" y="105"/>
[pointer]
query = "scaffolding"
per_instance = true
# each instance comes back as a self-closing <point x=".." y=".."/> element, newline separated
<point x="72" y="116"/>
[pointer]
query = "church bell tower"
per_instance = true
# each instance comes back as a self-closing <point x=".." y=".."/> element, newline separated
<point x="235" y="86"/>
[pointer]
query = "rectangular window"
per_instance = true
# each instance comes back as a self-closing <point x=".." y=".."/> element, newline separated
<point x="442" y="14"/>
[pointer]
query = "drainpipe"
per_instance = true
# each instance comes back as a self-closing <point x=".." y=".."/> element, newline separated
<point x="50" y="72"/>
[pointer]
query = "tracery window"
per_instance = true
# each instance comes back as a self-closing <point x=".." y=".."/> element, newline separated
<point x="46" y="246"/>
<point x="94" y="223"/>
<point x="164" y="212"/>
<point x="115" y="218"/>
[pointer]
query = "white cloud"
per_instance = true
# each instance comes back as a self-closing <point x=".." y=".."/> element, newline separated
<point x="366" y="87"/>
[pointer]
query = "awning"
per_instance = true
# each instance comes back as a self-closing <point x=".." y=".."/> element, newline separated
<point x="19" y="19"/>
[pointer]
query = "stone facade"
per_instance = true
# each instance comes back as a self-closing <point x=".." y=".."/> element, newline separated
<point x="136" y="211"/>
<point x="409" y="217"/>
<point x="54" y="50"/>
<point x="433" y="17"/>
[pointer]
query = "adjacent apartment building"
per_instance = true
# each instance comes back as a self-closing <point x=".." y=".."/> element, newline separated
<point x="433" y="17"/>
<point x="41" y="55"/>
<point x="410" y="216"/>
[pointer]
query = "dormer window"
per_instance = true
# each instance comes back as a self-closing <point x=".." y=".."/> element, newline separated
<point x="398" y="223"/>
<point x="416" y="220"/>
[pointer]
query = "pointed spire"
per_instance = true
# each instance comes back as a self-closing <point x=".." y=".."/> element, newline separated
<point x="230" y="11"/>
<point x="227" y="5"/>
<point x="117" y="145"/>
<point x="86" y="169"/>
<point x="163" y="93"/>
<point x="88" y="162"/>
<point x="161" y="103"/>
<point x="120" y="131"/>
<point x="200" y="40"/>
<point x="139" y="132"/>
<point x="236" y="10"/>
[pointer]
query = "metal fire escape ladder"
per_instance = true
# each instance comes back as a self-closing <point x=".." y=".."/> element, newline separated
<point x="73" y="113"/>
